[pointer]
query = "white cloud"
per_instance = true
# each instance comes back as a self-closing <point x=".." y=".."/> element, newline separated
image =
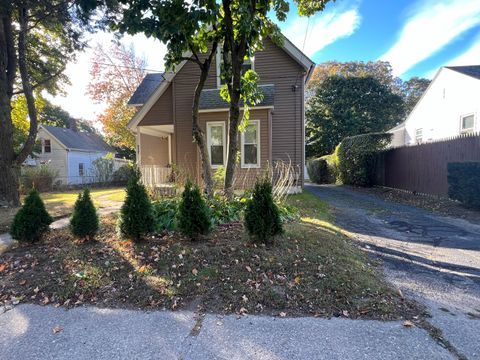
<point x="324" y="29"/>
<point x="469" y="57"/>
<point x="432" y="25"/>
<point x="76" y="102"/>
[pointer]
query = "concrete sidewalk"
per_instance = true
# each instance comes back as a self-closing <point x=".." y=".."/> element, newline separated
<point x="27" y="332"/>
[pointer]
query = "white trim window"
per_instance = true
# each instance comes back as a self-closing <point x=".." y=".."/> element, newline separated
<point x="418" y="135"/>
<point x="216" y="143"/>
<point x="47" y="146"/>
<point x="250" y="142"/>
<point x="467" y="124"/>
<point x="247" y="65"/>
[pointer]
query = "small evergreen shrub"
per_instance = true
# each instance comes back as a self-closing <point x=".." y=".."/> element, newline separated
<point x="165" y="213"/>
<point x="357" y="158"/>
<point x="136" y="215"/>
<point x="84" y="221"/>
<point x="262" y="216"/>
<point x="32" y="220"/>
<point x="464" y="183"/>
<point x="193" y="213"/>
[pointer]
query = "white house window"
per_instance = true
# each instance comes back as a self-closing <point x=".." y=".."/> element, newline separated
<point x="81" y="169"/>
<point x="418" y="135"/>
<point x="250" y="142"/>
<point x="467" y="124"/>
<point x="216" y="143"/>
<point x="247" y="65"/>
<point x="47" y="146"/>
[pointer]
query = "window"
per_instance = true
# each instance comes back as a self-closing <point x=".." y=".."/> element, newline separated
<point x="216" y="143"/>
<point x="247" y="65"/>
<point x="418" y="135"/>
<point x="47" y="146"/>
<point x="250" y="153"/>
<point x="81" y="169"/>
<point x="467" y="124"/>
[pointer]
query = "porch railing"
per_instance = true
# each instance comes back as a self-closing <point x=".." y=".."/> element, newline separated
<point x="155" y="175"/>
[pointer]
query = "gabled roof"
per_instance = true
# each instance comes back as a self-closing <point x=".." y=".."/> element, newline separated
<point x="471" y="70"/>
<point x="211" y="99"/>
<point x="146" y="88"/>
<point x="78" y="140"/>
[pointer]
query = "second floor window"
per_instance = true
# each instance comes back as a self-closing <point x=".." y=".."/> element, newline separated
<point x="247" y="65"/>
<point x="467" y="124"/>
<point x="47" y="146"/>
<point x="216" y="143"/>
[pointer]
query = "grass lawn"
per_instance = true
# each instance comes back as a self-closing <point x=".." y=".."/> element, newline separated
<point x="60" y="204"/>
<point x="313" y="269"/>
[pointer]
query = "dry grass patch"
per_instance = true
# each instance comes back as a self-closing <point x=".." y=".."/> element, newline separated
<point x="312" y="270"/>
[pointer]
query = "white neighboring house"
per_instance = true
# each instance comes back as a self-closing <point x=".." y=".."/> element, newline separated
<point x="72" y="153"/>
<point x="449" y="107"/>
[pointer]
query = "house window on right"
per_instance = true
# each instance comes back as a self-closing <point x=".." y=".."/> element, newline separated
<point x="467" y="124"/>
<point x="81" y="169"/>
<point x="250" y="142"/>
<point x="418" y="135"/>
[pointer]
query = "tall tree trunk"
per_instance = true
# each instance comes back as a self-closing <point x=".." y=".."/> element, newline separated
<point x="9" y="192"/>
<point x="198" y="133"/>
<point x="27" y="88"/>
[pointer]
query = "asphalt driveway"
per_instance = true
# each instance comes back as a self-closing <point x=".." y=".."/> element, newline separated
<point x="434" y="259"/>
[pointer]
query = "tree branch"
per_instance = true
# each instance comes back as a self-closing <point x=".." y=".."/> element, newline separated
<point x="40" y="83"/>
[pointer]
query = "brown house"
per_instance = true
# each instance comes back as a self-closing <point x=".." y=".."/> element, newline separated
<point x="275" y="132"/>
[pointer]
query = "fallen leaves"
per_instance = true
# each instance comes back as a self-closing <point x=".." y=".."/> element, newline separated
<point x="408" y="324"/>
<point x="57" y="329"/>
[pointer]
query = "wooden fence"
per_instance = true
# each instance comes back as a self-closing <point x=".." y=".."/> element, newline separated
<point x="423" y="168"/>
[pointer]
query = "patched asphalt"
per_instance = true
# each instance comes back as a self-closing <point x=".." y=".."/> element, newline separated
<point x="431" y="258"/>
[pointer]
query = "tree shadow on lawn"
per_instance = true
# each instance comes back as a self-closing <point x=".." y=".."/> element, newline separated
<point x="306" y="272"/>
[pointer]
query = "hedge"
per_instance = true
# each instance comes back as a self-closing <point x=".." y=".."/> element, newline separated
<point x="323" y="170"/>
<point x="357" y="158"/>
<point x="464" y="183"/>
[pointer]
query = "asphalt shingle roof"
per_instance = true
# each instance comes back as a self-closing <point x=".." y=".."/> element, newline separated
<point x="146" y="88"/>
<point x="472" y="70"/>
<point x="211" y="99"/>
<point x="79" y="140"/>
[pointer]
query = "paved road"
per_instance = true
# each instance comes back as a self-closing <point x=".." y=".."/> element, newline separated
<point x="27" y="332"/>
<point x="434" y="259"/>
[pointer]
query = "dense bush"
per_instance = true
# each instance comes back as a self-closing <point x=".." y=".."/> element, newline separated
<point x="323" y="170"/>
<point x="223" y="210"/>
<point x="40" y="177"/>
<point x="262" y="216"/>
<point x="136" y="215"/>
<point x="84" y="221"/>
<point x="193" y="213"/>
<point x="32" y="220"/>
<point x="464" y="183"/>
<point x="165" y="212"/>
<point x="123" y="174"/>
<point x="357" y="158"/>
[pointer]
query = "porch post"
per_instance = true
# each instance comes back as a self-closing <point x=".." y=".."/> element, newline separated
<point x="170" y="149"/>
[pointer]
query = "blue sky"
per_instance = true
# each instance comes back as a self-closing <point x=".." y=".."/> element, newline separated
<point x="416" y="36"/>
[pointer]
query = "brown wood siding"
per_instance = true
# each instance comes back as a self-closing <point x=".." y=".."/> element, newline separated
<point x="161" y="112"/>
<point x="154" y="150"/>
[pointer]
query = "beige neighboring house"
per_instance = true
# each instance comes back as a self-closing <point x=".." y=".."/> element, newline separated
<point x="275" y="132"/>
<point x="71" y="152"/>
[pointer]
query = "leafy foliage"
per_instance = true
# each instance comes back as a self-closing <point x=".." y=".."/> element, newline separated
<point x="32" y="220"/>
<point x="464" y="183"/>
<point x="165" y="213"/>
<point x="262" y="216"/>
<point x="136" y="215"/>
<point x="40" y="177"/>
<point x="323" y="170"/>
<point x="193" y="213"/>
<point x="357" y="157"/>
<point x="413" y="90"/>
<point x="224" y="210"/>
<point x="103" y="168"/>
<point x="123" y="174"/>
<point x="84" y="221"/>
<point x="345" y="107"/>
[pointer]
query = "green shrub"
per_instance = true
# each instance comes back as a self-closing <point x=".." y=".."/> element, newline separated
<point x="136" y="215"/>
<point x="193" y="213"/>
<point x="357" y="158"/>
<point x="464" y="183"/>
<point x="165" y="212"/>
<point x="223" y="211"/>
<point x="84" y="221"/>
<point x="262" y="216"/>
<point x="32" y="220"/>
<point x="40" y="177"/>
<point x="123" y="174"/>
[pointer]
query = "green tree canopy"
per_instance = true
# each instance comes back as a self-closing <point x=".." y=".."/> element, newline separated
<point x="347" y="106"/>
